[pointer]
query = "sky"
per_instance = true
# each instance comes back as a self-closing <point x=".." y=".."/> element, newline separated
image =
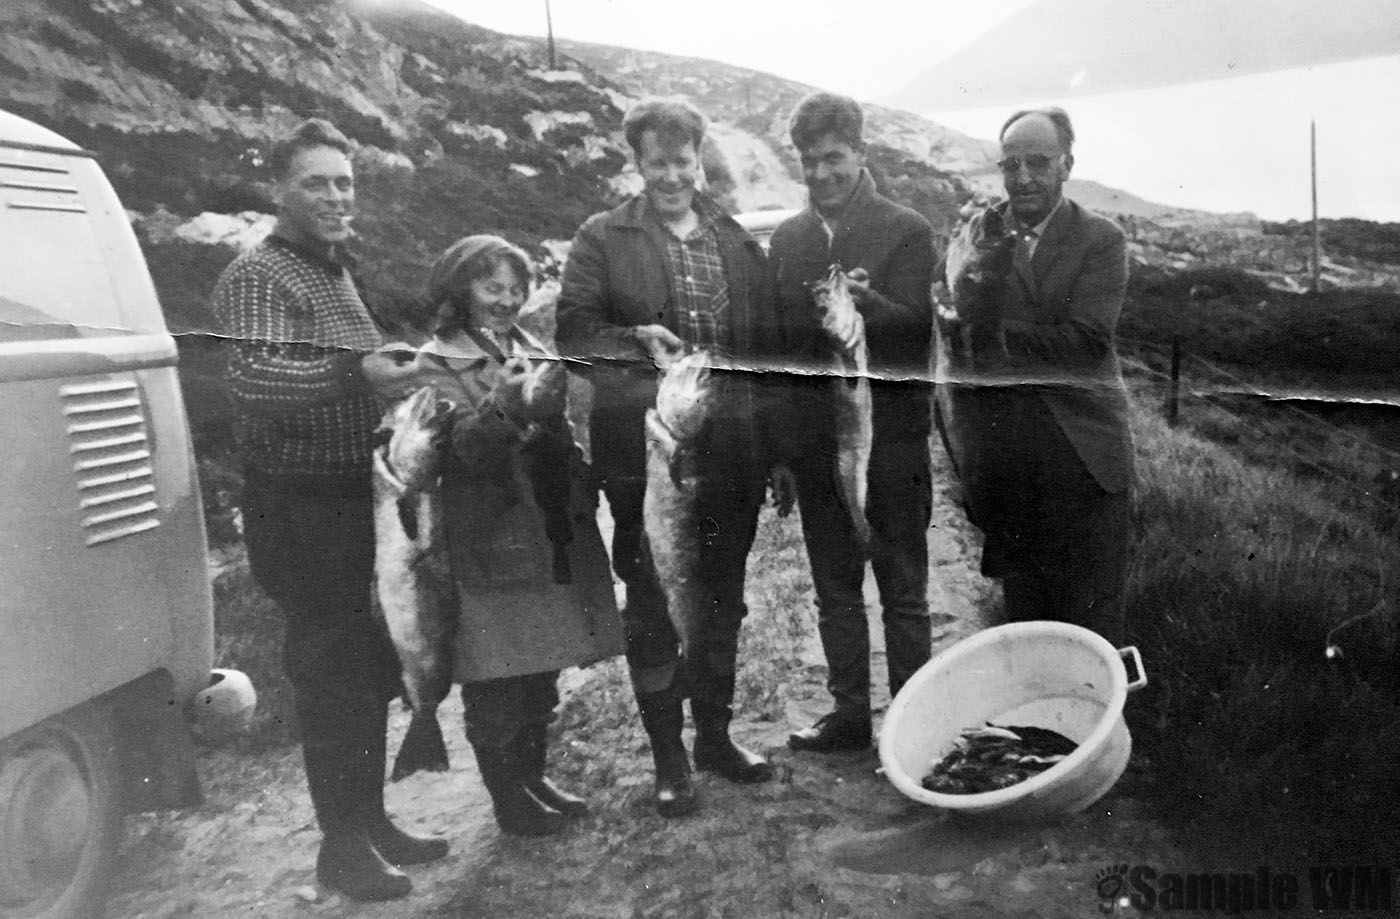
<point x="1223" y="145"/>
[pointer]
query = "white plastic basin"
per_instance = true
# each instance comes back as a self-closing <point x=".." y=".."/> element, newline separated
<point x="1043" y="674"/>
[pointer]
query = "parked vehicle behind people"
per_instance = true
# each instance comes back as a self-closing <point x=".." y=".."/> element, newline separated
<point x="105" y="604"/>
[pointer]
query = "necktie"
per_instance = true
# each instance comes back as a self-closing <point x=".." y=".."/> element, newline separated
<point x="1022" y="258"/>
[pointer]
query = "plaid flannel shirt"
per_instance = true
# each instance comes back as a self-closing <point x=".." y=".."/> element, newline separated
<point x="298" y="411"/>
<point x="699" y="286"/>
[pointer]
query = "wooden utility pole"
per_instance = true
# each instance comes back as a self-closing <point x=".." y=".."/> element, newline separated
<point x="1174" y="392"/>
<point x="1317" y="229"/>
<point x="549" y="26"/>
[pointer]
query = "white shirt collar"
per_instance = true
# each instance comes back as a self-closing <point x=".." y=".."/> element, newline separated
<point x="1031" y="237"/>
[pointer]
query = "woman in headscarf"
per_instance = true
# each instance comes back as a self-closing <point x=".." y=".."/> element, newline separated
<point x="532" y="575"/>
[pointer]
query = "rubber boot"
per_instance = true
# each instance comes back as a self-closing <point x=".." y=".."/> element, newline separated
<point x="534" y="743"/>
<point x="396" y="846"/>
<point x="349" y="864"/>
<point x="716" y="752"/>
<point x="337" y="777"/>
<point x="663" y="717"/>
<point x="518" y="811"/>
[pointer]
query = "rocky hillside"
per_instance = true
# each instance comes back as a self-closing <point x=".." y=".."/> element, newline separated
<point x="457" y="130"/>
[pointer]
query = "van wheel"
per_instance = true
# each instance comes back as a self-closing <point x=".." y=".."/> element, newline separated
<point x="60" y="817"/>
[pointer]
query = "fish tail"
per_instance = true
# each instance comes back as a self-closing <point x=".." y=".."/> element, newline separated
<point x="423" y="747"/>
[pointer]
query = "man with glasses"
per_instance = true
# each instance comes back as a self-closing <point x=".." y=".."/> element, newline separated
<point x="1037" y="410"/>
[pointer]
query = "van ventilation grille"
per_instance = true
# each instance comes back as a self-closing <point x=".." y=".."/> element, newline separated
<point x="106" y="424"/>
<point x="36" y="188"/>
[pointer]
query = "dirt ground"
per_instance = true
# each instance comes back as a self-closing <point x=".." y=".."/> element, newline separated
<point x="830" y="837"/>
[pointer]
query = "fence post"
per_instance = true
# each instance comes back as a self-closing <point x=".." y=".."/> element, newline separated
<point x="1174" y="391"/>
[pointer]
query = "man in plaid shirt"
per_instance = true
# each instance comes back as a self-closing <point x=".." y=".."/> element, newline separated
<point x="662" y="272"/>
<point x="304" y="420"/>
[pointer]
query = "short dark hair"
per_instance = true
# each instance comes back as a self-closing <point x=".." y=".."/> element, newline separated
<point x="1058" y="117"/>
<point x="820" y="114"/>
<point x="672" y="116"/>
<point x="315" y="132"/>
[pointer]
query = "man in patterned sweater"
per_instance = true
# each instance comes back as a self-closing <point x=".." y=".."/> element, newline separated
<point x="304" y="420"/>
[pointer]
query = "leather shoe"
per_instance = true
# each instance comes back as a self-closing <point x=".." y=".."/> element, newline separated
<point x="832" y="733"/>
<point x="675" y="793"/>
<point x="400" y="848"/>
<point x="675" y="796"/>
<point x="724" y="757"/>
<point x="349" y="864"/>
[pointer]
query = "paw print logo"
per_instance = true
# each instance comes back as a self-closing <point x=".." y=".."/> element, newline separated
<point x="1110" y="884"/>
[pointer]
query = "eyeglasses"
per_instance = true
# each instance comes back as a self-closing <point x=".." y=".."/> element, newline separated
<point x="1036" y="163"/>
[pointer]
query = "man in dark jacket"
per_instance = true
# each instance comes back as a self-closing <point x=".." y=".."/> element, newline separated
<point x="887" y="252"/>
<point x="666" y="271"/>
<point x="1037" y="413"/>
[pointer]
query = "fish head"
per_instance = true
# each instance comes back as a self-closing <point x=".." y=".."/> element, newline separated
<point x="995" y="243"/>
<point x="545" y="385"/>
<point x="683" y="395"/>
<point x="835" y="305"/>
<point x="981" y="250"/>
<point x="418" y="424"/>
<point x="532" y="390"/>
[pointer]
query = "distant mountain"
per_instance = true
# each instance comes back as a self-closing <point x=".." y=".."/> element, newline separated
<point x="1099" y="197"/>
<point x="1064" y="48"/>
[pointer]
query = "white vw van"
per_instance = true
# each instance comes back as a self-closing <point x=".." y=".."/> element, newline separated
<point x="106" y="625"/>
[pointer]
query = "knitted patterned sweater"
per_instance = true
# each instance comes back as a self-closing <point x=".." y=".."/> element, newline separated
<point x="301" y="408"/>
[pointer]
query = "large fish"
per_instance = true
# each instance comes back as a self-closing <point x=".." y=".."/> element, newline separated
<point x="670" y="511"/>
<point x="979" y="262"/>
<point x="967" y="314"/>
<point x="850" y="386"/>
<point x="536" y="392"/>
<point x="413" y="580"/>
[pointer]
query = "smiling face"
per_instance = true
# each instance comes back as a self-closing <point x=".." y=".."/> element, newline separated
<point x="316" y="197"/>
<point x="1034" y="167"/>
<point x="495" y="299"/>
<point x="831" y="167"/>
<point x="670" y="166"/>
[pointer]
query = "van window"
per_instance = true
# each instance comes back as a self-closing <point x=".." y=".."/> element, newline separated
<point x="43" y="211"/>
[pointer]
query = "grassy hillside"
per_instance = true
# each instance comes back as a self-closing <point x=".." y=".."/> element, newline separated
<point x="1259" y="744"/>
<point x="1338" y="339"/>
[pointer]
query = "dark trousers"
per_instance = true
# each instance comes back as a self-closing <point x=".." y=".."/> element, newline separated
<point x="899" y="506"/>
<point x="729" y="502"/>
<point x="498" y="712"/>
<point x="1057" y="539"/>
<point x="311" y="549"/>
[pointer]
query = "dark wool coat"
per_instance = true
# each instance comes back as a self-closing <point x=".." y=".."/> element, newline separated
<point x="618" y="277"/>
<point x="895" y="246"/>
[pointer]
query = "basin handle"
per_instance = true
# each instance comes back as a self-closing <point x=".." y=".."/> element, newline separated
<point x="1132" y="651"/>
